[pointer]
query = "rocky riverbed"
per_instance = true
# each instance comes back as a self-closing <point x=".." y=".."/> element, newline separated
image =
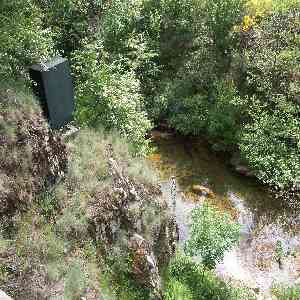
<point x="268" y="253"/>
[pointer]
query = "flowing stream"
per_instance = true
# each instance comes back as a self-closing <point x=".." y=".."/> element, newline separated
<point x="269" y="249"/>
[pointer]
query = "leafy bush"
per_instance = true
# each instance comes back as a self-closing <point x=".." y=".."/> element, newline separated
<point x="177" y="291"/>
<point x="270" y="140"/>
<point x="177" y="32"/>
<point x="212" y="233"/>
<point x="119" y="273"/>
<point x="224" y="114"/>
<point x="264" y="7"/>
<point x="196" y="96"/>
<point x="287" y="293"/>
<point x="24" y="40"/>
<point x="270" y="145"/>
<point x="70" y="21"/>
<point x="109" y="98"/>
<point x="130" y="32"/>
<point x="220" y="17"/>
<point x="199" y="283"/>
<point x="190" y="114"/>
<point x="75" y="281"/>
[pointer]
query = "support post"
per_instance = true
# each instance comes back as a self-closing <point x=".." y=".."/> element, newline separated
<point x="173" y="194"/>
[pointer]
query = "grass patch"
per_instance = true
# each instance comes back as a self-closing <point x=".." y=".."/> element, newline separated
<point x="37" y="239"/>
<point x="287" y="292"/>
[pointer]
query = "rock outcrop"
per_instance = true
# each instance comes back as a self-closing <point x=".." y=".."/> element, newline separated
<point x="137" y="214"/>
<point x="144" y="265"/>
<point x="203" y="191"/>
<point x="240" y="166"/>
<point x="32" y="156"/>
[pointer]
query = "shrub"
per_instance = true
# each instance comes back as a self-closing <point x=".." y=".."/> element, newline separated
<point x="189" y="115"/>
<point x="130" y="32"/>
<point x="199" y="283"/>
<point x="225" y="114"/>
<point x="75" y="281"/>
<point x="177" y="291"/>
<point x="264" y="7"/>
<point x="24" y="40"/>
<point x="176" y="32"/>
<point x="269" y="140"/>
<point x="220" y="17"/>
<point x="272" y="52"/>
<point x="287" y="293"/>
<point x="119" y="273"/>
<point x="109" y="98"/>
<point x="270" y="144"/>
<point x="70" y="21"/>
<point x="199" y="97"/>
<point x="119" y="23"/>
<point x="212" y="233"/>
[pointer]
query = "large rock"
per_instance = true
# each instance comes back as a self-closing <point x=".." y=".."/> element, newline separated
<point x="203" y="191"/>
<point x="136" y="212"/>
<point x="240" y="166"/>
<point x="31" y="155"/>
<point x="144" y="265"/>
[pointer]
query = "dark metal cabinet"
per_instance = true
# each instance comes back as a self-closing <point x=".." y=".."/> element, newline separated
<point x="54" y="87"/>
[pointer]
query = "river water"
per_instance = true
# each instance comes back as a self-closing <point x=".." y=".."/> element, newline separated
<point x="268" y="229"/>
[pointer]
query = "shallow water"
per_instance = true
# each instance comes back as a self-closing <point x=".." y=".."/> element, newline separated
<point x="264" y="221"/>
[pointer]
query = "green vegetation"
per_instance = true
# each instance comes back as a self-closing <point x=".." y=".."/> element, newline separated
<point x="109" y="97"/>
<point x="287" y="293"/>
<point x="23" y="38"/>
<point x="212" y="234"/>
<point x="224" y="69"/>
<point x="193" y="282"/>
<point x="51" y="239"/>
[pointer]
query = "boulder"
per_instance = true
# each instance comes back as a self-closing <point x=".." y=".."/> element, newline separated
<point x="134" y="217"/>
<point x="30" y="151"/>
<point x="240" y="166"/>
<point x="203" y="191"/>
<point x="144" y="265"/>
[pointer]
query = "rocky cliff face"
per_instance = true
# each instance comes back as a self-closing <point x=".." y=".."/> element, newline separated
<point x="92" y="194"/>
<point x="32" y="156"/>
<point x="134" y="219"/>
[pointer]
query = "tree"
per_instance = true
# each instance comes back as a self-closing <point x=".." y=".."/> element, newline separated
<point x="212" y="233"/>
<point x="24" y="40"/>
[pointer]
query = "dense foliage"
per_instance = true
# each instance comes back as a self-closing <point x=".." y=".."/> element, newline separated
<point x="24" y="40"/>
<point x="284" y="292"/>
<point x="191" y="281"/>
<point x="236" y="80"/>
<point x="108" y="96"/>
<point x="270" y="139"/>
<point x="226" y="69"/>
<point x="212" y="233"/>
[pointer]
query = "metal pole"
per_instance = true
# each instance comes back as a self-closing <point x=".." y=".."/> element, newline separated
<point x="173" y="194"/>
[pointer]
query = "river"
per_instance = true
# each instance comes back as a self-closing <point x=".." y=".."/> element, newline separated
<point x="268" y="229"/>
